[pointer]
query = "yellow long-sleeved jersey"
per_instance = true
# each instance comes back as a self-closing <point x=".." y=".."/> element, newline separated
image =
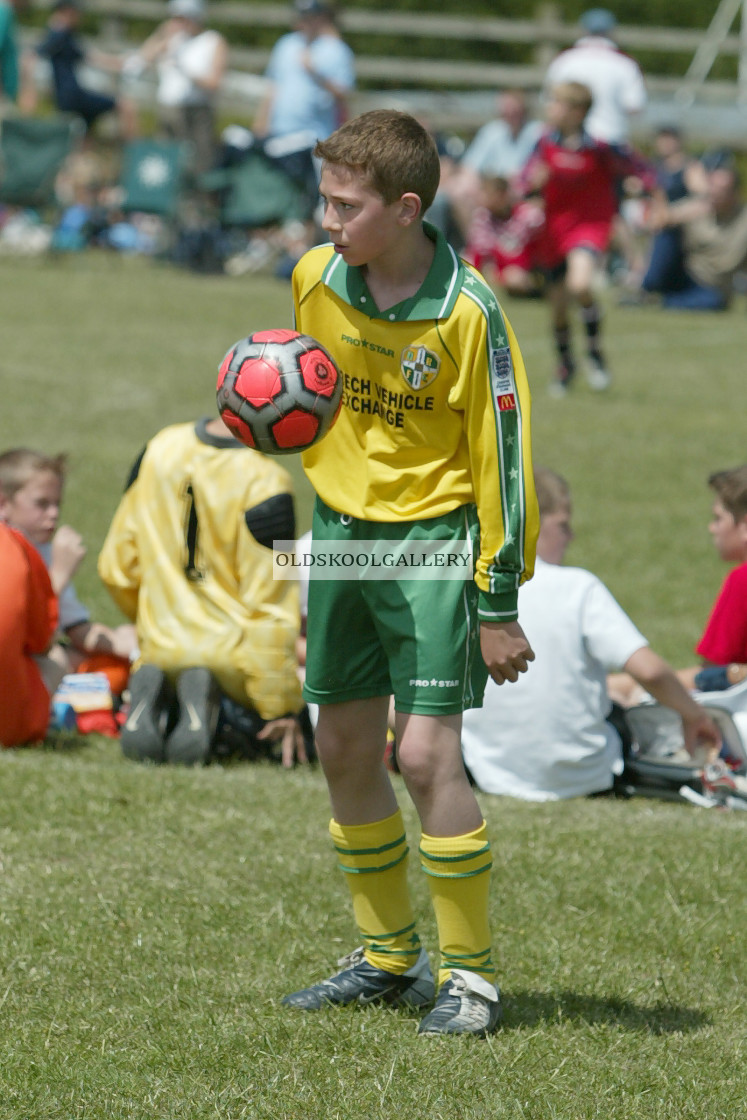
<point x="188" y="557"/>
<point x="435" y="410"/>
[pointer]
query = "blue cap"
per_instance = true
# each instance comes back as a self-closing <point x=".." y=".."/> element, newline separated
<point x="598" y="21"/>
<point x="312" y="8"/>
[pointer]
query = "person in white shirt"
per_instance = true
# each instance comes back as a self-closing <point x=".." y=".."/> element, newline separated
<point x="500" y="148"/>
<point x="614" y="78"/>
<point x="547" y="737"/>
<point x="191" y="62"/>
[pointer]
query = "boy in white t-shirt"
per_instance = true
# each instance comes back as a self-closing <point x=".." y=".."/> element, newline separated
<point x="548" y="737"/>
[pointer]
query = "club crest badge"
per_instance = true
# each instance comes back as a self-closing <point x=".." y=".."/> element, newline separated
<point x="419" y="366"/>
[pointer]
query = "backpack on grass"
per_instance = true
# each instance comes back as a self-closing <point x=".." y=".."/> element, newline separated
<point x="657" y="764"/>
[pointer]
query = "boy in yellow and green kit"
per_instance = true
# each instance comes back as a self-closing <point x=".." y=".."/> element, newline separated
<point x="431" y="445"/>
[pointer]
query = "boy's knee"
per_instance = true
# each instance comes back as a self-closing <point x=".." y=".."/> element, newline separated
<point x="417" y="764"/>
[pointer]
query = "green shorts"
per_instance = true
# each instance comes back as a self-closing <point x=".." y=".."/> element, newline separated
<point x="415" y="639"/>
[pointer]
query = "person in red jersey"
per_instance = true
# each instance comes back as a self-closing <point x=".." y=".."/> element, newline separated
<point x="577" y="179"/>
<point x="28" y="620"/>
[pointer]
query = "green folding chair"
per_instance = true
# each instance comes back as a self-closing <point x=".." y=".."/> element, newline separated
<point x="257" y="192"/>
<point x="32" y="151"/>
<point x="153" y="176"/>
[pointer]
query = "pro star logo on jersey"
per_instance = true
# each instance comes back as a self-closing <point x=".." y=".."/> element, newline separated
<point x="420" y="366"/>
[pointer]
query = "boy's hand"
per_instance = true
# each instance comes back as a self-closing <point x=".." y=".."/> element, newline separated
<point x="68" y="551"/>
<point x="701" y="731"/>
<point x="505" y="650"/>
<point x="287" y="732"/>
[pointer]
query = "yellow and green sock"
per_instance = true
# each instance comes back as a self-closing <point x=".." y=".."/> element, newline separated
<point x="458" y="870"/>
<point x="374" y="860"/>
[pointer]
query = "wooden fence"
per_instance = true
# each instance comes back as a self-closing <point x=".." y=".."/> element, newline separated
<point x="457" y="93"/>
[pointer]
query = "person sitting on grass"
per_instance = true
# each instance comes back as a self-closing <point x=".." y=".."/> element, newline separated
<point x="701" y="240"/>
<point x="63" y="50"/>
<point x="189" y="558"/>
<point x="28" y="621"/>
<point x="723" y="645"/>
<point x="31" y="486"/>
<point x="501" y="238"/>
<point x="549" y="737"/>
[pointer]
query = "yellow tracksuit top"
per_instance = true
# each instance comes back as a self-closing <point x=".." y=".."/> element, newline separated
<point x="435" y="410"/>
<point x="182" y="559"/>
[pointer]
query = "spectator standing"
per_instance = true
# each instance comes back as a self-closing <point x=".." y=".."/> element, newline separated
<point x="548" y="736"/>
<point x="310" y="75"/>
<point x="191" y="61"/>
<point x="9" y="65"/>
<point x="617" y="86"/>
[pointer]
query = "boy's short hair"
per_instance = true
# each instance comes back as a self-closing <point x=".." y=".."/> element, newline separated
<point x="575" y="94"/>
<point x="20" y="464"/>
<point x="392" y="150"/>
<point x="553" y="492"/>
<point x="730" y="486"/>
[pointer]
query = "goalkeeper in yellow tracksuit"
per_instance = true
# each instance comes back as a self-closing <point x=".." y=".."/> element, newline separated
<point x="430" y="452"/>
<point x="188" y="557"/>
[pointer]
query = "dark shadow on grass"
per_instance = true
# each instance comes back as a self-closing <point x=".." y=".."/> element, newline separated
<point x="532" y="1009"/>
<point x="66" y="742"/>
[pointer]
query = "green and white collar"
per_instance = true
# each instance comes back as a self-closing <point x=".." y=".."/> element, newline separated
<point x="434" y="299"/>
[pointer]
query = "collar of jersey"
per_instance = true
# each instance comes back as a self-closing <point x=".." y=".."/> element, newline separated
<point x="434" y="299"/>
<point x="587" y="141"/>
<point x="205" y="436"/>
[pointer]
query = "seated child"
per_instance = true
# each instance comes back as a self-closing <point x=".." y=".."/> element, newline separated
<point x="723" y="646"/>
<point x="30" y="496"/>
<point x="189" y="558"/>
<point x="502" y="235"/>
<point x="28" y="619"/>
<point x="549" y="736"/>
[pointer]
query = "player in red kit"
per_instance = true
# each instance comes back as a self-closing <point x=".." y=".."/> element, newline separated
<point x="577" y="178"/>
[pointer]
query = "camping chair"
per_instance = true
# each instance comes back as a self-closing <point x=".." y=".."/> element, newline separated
<point x="153" y="176"/>
<point x="32" y="151"/>
<point x="265" y="184"/>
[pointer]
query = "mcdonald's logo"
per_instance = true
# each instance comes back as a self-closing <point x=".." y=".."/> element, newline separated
<point x="507" y="402"/>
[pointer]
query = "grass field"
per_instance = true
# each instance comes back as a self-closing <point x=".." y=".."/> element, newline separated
<point x="152" y="919"/>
